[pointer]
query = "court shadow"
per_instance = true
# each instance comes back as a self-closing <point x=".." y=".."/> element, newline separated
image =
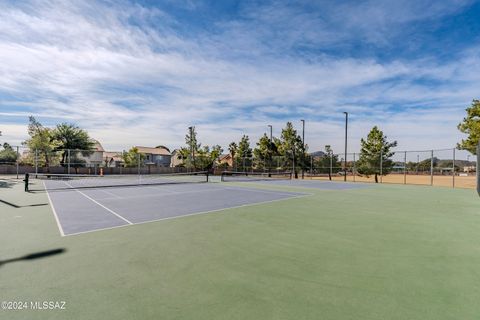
<point x="6" y="184"/>
<point x="18" y="207"/>
<point x="34" y="256"/>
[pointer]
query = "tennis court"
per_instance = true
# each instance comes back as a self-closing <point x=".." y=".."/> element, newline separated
<point x="90" y="203"/>
<point x="266" y="250"/>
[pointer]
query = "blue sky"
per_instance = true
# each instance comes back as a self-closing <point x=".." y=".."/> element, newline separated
<point x="140" y="73"/>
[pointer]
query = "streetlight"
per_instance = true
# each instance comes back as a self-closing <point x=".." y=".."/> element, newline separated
<point x="303" y="148"/>
<point x="270" y="151"/>
<point x="192" y="150"/>
<point x="345" y="159"/>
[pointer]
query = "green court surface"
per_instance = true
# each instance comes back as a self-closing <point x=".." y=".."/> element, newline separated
<point x="383" y="252"/>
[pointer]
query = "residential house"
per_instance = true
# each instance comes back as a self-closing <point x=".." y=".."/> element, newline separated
<point x="159" y="156"/>
<point x="112" y="159"/>
<point x="469" y="169"/>
<point x="176" y="160"/>
<point x="225" y="160"/>
<point x="94" y="158"/>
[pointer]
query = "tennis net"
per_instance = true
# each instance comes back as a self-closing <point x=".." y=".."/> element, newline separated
<point x="46" y="181"/>
<point x="255" y="176"/>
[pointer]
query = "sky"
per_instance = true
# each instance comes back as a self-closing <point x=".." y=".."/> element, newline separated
<point x="142" y="72"/>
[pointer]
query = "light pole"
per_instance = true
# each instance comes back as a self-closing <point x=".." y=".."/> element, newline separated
<point x="192" y="152"/>
<point x="270" y="151"/>
<point x="303" y="148"/>
<point x="345" y="158"/>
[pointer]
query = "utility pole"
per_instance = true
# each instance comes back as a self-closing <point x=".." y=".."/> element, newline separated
<point x="192" y="149"/>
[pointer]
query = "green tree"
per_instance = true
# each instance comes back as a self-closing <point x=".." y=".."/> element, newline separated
<point x="8" y="155"/>
<point x="262" y="153"/>
<point x="375" y="153"/>
<point x="326" y="161"/>
<point x="208" y="156"/>
<point x="42" y="142"/>
<point x="232" y="148"/>
<point x="291" y="147"/>
<point x="70" y="136"/>
<point x="243" y="158"/>
<point x="192" y="149"/>
<point x="132" y="158"/>
<point x="471" y="127"/>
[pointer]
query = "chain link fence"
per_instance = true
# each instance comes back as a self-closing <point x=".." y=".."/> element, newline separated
<point x="18" y="160"/>
<point x="439" y="167"/>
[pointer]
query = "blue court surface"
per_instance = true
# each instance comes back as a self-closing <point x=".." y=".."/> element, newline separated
<point x="84" y="210"/>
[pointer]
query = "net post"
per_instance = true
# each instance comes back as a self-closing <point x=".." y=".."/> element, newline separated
<point x="18" y="158"/>
<point x="405" y="168"/>
<point x="453" y="169"/>
<point x="431" y="168"/>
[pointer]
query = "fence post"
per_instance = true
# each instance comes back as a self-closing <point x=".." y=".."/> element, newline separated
<point x="68" y="161"/>
<point x="431" y="168"/>
<point x="18" y="158"/>
<point x="353" y="169"/>
<point x="477" y="168"/>
<point x="453" y="169"/>
<point x="36" y="160"/>
<point x="293" y="164"/>
<point x="381" y="166"/>
<point x="331" y="164"/>
<point x="138" y="164"/>
<point x="405" y="168"/>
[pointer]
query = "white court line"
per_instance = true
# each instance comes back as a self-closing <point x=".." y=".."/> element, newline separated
<point x="101" y="205"/>
<point x="54" y="212"/>
<point x="193" y="214"/>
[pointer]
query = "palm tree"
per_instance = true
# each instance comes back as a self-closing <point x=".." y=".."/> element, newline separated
<point x="72" y="137"/>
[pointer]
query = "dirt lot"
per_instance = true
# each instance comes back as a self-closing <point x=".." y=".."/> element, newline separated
<point x="442" y="181"/>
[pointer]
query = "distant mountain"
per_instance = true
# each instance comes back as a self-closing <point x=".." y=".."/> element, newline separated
<point x="317" y="154"/>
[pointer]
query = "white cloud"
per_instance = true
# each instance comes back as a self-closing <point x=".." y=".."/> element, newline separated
<point x="144" y="83"/>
